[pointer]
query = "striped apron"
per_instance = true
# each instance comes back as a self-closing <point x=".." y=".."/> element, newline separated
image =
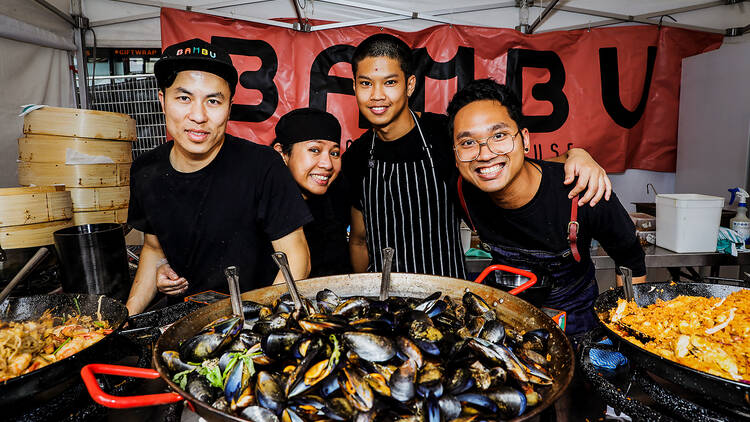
<point x="406" y="206"/>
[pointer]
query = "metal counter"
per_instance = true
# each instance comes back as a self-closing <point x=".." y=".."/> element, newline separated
<point x="656" y="257"/>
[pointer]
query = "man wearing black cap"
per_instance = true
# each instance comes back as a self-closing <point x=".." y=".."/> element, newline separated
<point x="208" y="200"/>
<point x="309" y="142"/>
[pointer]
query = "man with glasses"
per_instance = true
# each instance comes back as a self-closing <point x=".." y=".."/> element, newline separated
<point x="522" y="211"/>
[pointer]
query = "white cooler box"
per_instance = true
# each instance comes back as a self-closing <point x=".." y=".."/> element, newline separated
<point x="688" y="222"/>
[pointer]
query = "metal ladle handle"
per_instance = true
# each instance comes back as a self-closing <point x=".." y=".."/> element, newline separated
<point x="233" y="279"/>
<point x="385" y="282"/>
<point x="30" y="265"/>
<point x="280" y="259"/>
<point x="627" y="283"/>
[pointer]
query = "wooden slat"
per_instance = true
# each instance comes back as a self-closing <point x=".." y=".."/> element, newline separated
<point x="26" y="190"/>
<point x="32" y="208"/>
<point x="78" y="175"/>
<point x="80" y="123"/>
<point x="93" y="217"/>
<point x="53" y="149"/>
<point x="30" y="235"/>
<point x="100" y="199"/>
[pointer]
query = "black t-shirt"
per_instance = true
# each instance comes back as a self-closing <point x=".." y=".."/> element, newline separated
<point x="408" y="148"/>
<point x="326" y="235"/>
<point x="226" y="213"/>
<point x="542" y="223"/>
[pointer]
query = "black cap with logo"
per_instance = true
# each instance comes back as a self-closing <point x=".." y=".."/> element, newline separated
<point x="195" y="54"/>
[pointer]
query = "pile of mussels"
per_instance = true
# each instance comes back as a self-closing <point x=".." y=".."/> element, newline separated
<point x="362" y="359"/>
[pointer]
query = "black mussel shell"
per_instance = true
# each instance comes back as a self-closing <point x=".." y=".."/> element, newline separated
<point x="280" y="344"/>
<point x="258" y="414"/>
<point x="510" y="402"/>
<point x="356" y="306"/>
<point x="493" y="331"/>
<point x="536" y="340"/>
<point x="369" y="346"/>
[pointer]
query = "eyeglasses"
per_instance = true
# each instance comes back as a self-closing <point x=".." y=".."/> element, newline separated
<point x="500" y="143"/>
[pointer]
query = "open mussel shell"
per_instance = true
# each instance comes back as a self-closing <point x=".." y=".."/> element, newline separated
<point x="211" y="340"/>
<point x="327" y="300"/>
<point x="339" y="409"/>
<point x="356" y="390"/>
<point x="536" y="340"/>
<point x="320" y="323"/>
<point x="459" y="381"/>
<point x="352" y="307"/>
<point x="479" y="403"/>
<point x="269" y="393"/>
<point x="476" y="306"/>
<point x="171" y="359"/>
<point x="290" y="415"/>
<point x="370" y="347"/>
<point x="237" y="380"/>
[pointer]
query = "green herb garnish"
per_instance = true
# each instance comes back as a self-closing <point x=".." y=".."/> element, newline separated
<point x="181" y="377"/>
<point x="60" y="346"/>
<point x="210" y="370"/>
<point x="99" y="324"/>
<point x="246" y="357"/>
<point x="75" y="300"/>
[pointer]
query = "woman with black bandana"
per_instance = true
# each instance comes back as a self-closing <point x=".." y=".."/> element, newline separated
<point x="308" y="141"/>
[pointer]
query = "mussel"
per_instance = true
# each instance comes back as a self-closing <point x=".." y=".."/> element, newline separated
<point x="210" y="340"/>
<point x="371" y="347"/>
<point x="269" y="393"/>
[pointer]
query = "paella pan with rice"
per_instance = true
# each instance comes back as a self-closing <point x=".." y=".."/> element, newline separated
<point x="710" y="334"/>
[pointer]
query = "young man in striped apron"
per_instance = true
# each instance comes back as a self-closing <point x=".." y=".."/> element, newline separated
<point x="399" y="170"/>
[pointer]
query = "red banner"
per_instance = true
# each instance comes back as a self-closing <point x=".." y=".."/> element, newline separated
<point x="612" y="91"/>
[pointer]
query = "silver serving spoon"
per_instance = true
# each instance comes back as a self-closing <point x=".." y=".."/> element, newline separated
<point x="280" y="259"/>
<point x="385" y="281"/>
<point x="233" y="279"/>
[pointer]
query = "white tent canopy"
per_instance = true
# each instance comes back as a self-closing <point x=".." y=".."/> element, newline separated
<point x="135" y="23"/>
<point x="42" y="35"/>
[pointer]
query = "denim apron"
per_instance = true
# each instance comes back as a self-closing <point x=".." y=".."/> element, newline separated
<point x="572" y="290"/>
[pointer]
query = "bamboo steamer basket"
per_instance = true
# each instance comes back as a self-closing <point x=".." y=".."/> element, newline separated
<point x="119" y="215"/>
<point x="31" y="235"/>
<point x="32" y="205"/>
<point x="99" y="199"/>
<point x="80" y="123"/>
<point x="54" y="149"/>
<point x="74" y="175"/>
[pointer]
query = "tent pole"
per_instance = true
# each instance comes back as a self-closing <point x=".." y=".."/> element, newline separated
<point x="64" y="16"/>
<point x="80" y="40"/>
<point x="542" y="16"/>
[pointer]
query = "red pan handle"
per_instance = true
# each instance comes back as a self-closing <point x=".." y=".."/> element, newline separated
<point x="528" y="274"/>
<point x="88" y="373"/>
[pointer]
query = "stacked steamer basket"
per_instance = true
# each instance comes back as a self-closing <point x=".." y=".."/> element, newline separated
<point x="87" y="151"/>
<point x="29" y="215"/>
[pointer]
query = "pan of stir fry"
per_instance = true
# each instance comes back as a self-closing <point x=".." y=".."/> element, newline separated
<point x="696" y="335"/>
<point x="45" y="339"/>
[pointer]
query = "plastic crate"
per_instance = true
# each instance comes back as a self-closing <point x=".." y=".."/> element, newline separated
<point x="687" y="222"/>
